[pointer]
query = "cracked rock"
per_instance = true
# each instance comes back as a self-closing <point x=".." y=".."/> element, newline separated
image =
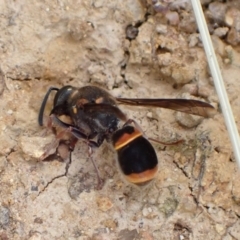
<point x="34" y="147"/>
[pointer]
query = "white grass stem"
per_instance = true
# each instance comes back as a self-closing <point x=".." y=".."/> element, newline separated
<point x="217" y="77"/>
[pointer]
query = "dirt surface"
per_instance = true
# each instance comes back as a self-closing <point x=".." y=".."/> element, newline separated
<point x="132" y="49"/>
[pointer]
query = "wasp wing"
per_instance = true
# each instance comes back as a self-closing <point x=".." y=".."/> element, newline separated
<point x="183" y="105"/>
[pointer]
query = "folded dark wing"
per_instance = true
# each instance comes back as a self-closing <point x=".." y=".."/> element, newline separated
<point x="183" y="105"/>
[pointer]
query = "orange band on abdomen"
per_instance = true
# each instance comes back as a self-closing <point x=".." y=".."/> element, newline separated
<point x="143" y="177"/>
<point x="127" y="138"/>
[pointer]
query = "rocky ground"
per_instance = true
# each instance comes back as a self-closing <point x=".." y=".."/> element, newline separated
<point x="132" y="49"/>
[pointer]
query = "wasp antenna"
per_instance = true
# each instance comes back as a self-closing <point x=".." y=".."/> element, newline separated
<point x="167" y="144"/>
<point x="40" y="115"/>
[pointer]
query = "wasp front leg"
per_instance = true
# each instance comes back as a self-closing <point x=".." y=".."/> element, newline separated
<point x="62" y="137"/>
<point x="80" y="135"/>
<point x="63" y="133"/>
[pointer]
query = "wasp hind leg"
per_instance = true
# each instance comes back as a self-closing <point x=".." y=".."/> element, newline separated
<point x="137" y="126"/>
<point x="100" y="180"/>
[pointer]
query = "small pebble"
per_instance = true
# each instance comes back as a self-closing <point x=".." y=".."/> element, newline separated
<point x="145" y="212"/>
<point x="161" y="29"/>
<point x="35" y="236"/>
<point x="10" y="112"/>
<point x="230" y="16"/>
<point x="149" y="115"/>
<point x="172" y="17"/>
<point x="217" y="11"/>
<point x="4" y="216"/>
<point x="38" y="220"/>
<point x="188" y="120"/>
<point x="104" y="204"/>
<point x="193" y="40"/>
<point x="221" y="32"/>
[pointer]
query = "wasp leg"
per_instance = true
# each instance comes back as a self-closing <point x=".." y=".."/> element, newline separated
<point x="130" y="121"/>
<point x="72" y="144"/>
<point x="92" y="144"/>
<point x="76" y="134"/>
<point x="51" y="147"/>
<point x="100" y="180"/>
<point x="79" y="135"/>
<point x="100" y="139"/>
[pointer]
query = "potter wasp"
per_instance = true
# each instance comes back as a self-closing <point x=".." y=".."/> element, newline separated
<point x="92" y="114"/>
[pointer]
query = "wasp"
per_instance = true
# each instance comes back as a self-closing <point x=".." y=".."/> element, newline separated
<point x="92" y="114"/>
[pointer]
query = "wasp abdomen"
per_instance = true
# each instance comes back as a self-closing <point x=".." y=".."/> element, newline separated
<point x="136" y="156"/>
